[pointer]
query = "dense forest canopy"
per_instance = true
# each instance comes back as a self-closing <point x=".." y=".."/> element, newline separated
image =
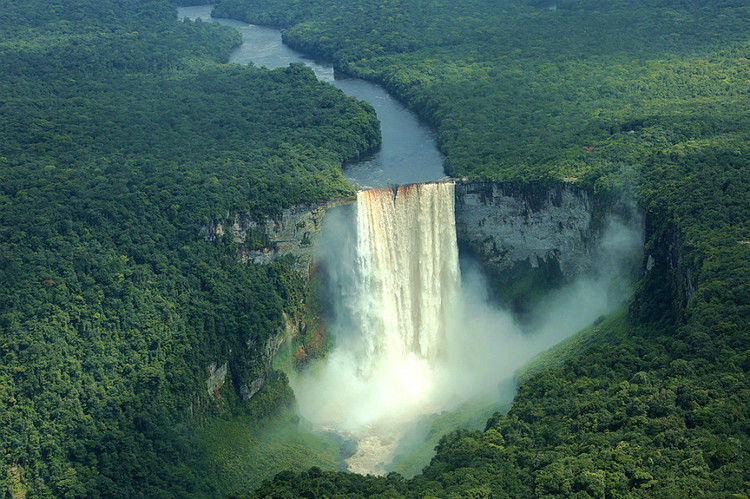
<point x="516" y="91"/>
<point x="648" y="96"/>
<point x="122" y="133"/>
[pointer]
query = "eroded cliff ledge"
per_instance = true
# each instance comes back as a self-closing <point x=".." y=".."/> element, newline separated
<point x="505" y="224"/>
<point x="293" y="232"/>
<point x="529" y="237"/>
<point x="502" y="223"/>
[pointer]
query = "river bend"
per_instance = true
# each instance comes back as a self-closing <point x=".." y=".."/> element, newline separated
<point x="408" y="153"/>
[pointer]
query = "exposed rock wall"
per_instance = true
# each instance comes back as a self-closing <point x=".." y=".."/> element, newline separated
<point x="508" y="223"/>
<point x="504" y="224"/>
<point x="294" y="232"/>
<point x="666" y="273"/>
<point x="216" y="377"/>
<point x="262" y="358"/>
<point x="265" y="355"/>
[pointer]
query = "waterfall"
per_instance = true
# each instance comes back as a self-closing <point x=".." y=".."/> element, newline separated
<point x="414" y="335"/>
<point x="393" y="265"/>
<point x="407" y="264"/>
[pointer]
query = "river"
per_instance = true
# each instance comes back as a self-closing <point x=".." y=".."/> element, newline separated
<point x="408" y="153"/>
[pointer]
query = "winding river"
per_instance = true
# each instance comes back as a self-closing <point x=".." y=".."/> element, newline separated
<point x="408" y="153"/>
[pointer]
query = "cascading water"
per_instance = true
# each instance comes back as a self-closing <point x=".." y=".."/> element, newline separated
<point x="400" y="293"/>
<point x="409" y="342"/>
<point x="413" y="336"/>
<point x="408" y="271"/>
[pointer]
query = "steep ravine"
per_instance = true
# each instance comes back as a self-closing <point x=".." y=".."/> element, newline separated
<point x="530" y="238"/>
<point x="539" y="235"/>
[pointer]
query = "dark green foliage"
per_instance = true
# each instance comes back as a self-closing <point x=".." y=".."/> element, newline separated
<point x="523" y="288"/>
<point x="659" y="91"/>
<point x="245" y="450"/>
<point x="121" y="135"/>
<point x="517" y="92"/>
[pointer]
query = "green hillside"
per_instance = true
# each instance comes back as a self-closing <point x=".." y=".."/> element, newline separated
<point x="122" y="134"/>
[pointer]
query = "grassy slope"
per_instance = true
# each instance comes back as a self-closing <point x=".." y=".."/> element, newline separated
<point x="245" y="452"/>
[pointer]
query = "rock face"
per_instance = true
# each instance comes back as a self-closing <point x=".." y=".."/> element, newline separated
<point x="508" y="223"/>
<point x="504" y="224"/>
<point x="216" y="378"/>
<point x="294" y="232"/>
<point x="666" y="272"/>
<point x="262" y="359"/>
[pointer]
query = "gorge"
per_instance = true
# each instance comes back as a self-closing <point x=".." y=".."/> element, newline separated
<point x="416" y="330"/>
<point x="413" y="336"/>
<point x="215" y="281"/>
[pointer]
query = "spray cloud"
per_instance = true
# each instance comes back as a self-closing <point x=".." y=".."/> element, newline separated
<point x="413" y="335"/>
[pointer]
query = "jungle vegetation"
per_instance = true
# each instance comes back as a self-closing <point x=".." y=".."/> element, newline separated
<point x="122" y="135"/>
<point x="650" y="97"/>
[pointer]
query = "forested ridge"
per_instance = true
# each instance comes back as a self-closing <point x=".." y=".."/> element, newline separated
<point x="122" y="134"/>
<point x="651" y="97"/>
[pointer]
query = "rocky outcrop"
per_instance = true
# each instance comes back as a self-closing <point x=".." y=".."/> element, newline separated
<point x="503" y="222"/>
<point x="508" y="223"/>
<point x="216" y="378"/>
<point x="262" y="358"/>
<point x="666" y="273"/>
<point x="294" y="232"/>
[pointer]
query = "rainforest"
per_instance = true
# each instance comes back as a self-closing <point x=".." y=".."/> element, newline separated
<point x="174" y="229"/>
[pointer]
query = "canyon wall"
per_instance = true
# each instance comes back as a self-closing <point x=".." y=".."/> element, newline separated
<point x="668" y="271"/>
<point x="513" y="229"/>
<point x="504" y="224"/>
<point x="293" y="232"/>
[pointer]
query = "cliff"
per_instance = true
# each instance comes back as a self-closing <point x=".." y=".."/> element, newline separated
<point x="668" y="271"/>
<point x="530" y="237"/>
<point x="508" y="223"/>
<point x="504" y="223"/>
<point x="293" y="232"/>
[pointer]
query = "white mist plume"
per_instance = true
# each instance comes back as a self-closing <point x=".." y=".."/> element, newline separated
<point x="413" y="335"/>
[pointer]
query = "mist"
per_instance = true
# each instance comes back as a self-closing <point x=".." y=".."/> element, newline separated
<point x="372" y="396"/>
